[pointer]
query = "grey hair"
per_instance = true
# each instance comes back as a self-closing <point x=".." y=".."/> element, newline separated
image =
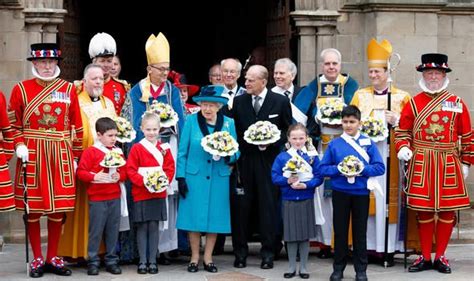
<point x="89" y="66"/>
<point x="214" y="66"/>
<point x="289" y="63"/>
<point x="331" y="50"/>
<point x="239" y="65"/>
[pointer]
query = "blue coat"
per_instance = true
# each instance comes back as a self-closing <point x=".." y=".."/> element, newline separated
<point x="206" y="207"/>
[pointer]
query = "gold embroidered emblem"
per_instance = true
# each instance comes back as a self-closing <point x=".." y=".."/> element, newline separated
<point x="47" y="108"/>
<point x="434" y="129"/>
<point x="329" y="89"/>
<point x="435" y="117"/>
<point x="58" y="110"/>
<point x="48" y="120"/>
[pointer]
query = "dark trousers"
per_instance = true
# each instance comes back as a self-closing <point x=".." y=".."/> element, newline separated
<point x="346" y="206"/>
<point x="104" y="221"/>
<point x="260" y="199"/>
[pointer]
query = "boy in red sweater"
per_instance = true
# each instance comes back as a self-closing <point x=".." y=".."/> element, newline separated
<point x="103" y="191"/>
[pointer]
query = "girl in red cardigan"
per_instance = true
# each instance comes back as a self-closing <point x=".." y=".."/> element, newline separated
<point x="145" y="158"/>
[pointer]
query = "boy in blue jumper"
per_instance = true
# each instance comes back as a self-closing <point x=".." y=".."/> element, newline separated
<point x="351" y="199"/>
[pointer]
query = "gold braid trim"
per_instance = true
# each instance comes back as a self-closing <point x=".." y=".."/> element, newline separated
<point x="426" y="221"/>
<point x="445" y="221"/>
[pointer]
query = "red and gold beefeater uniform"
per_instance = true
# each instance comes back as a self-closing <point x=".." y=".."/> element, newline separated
<point x="47" y="120"/>
<point x="7" y="202"/>
<point x="116" y="90"/>
<point x="438" y="131"/>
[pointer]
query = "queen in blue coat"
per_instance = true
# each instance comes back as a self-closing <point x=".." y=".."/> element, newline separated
<point x="203" y="182"/>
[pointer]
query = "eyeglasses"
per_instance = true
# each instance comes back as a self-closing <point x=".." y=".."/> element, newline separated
<point x="161" y="68"/>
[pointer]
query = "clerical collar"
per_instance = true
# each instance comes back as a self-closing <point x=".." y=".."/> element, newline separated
<point x="95" y="99"/>
<point x="381" y="93"/>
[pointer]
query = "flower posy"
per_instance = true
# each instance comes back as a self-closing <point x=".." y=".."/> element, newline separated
<point x="330" y="111"/>
<point x="125" y="132"/>
<point x="168" y="117"/>
<point x="112" y="159"/>
<point x="156" y="181"/>
<point x="262" y="133"/>
<point x="374" y="128"/>
<point x="350" y="166"/>
<point x="295" y="165"/>
<point x="220" y="144"/>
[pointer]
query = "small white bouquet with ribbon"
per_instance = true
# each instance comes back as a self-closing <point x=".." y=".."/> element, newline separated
<point x="330" y="111"/>
<point x="219" y="144"/>
<point x="262" y="133"/>
<point x="125" y="131"/>
<point x="168" y="117"/>
<point x="350" y="167"/>
<point x="374" y="128"/>
<point x="156" y="181"/>
<point x="297" y="166"/>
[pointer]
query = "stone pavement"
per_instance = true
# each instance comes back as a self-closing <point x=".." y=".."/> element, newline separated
<point x="12" y="267"/>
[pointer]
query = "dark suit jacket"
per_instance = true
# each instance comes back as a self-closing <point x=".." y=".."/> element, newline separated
<point x="275" y="108"/>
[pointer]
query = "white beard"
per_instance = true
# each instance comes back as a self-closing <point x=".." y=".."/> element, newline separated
<point x="57" y="71"/>
<point x="96" y="93"/>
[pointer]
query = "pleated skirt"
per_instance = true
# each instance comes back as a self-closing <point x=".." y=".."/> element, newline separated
<point x="150" y="210"/>
<point x="299" y="223"/>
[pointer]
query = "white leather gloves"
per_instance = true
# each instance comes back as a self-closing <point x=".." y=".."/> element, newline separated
<point x="405" y="154"/>
<point x="22" y="153"/>
<point x="465" y="171"/>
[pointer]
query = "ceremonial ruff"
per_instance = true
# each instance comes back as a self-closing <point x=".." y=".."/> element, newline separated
<point x="432" y="127"/>
<point x="48" y="121"/>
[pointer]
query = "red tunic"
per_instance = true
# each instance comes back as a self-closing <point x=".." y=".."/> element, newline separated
<point x="89" y="166"/>
<point x="7" y="202"/>
<point x="47" y="119"/>
<point x="116" y="90"/>
<point x="433" y="127"/>
<point x="140" y="157"/>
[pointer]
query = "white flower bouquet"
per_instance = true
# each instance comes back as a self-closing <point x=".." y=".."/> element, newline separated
<point x="220" y="144"/>
<point x="295" y="166"/>
<point x="374" y="128"/>
<point x="350" y="167"/>
<point x="126" y="133"/>
<point x="112" y="159"/>
<point x="262" y="133"/>
<point x="330" y="111"/>
<point x="156" y="181"/>
<point x="168" y="117"/>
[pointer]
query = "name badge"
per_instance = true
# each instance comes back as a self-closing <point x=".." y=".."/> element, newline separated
<point x="451" y="106"/>
<point x="364" y="141"/>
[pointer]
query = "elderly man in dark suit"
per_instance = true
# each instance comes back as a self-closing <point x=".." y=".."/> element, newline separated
<point x="256" y="191"/>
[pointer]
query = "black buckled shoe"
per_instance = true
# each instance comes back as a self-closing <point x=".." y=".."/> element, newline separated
<point x="361" y="276"/>
<point x="114" y="269"/>
<point x="193" y="267"/>
<point x="288" y="275"/>
<point x="141" y="269"/>
<point x="304" y="275"/>
<point x="56" y="266"/>
<point x="266" y="264"/>
<point x="210" y="267"/>
<point x="442" y="265"/>
<point x="37" y="268"/>
<point x="336" y="276"/>
<point x="420" y="264"/>
<point x="240" y="263"/>
<point x="152" y="268"/>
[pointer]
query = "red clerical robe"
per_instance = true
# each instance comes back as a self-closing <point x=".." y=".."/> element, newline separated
<point x="47" y="120"/>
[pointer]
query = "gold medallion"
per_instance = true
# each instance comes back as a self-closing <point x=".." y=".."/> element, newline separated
<point x="329" y="89"/>
<point x="46" y="108"/>
<point x="435" y="117"/>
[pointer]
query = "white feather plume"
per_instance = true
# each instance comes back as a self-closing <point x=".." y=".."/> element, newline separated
<point x="102" y="44"/>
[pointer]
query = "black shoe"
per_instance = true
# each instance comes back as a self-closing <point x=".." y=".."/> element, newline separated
<point x="141" y="269"/>
<point x="420" y="264"/>
<point x="114" y="269"/>
<point x="336" y="276"/>
<point x="442" y="265"/>
<point x="266" y="264"/>
<point x="37" y="268"/>
<point x="56" y="266"/>
<point x="304" y="275"/>
<point x="193" y="267"/>
<point x="152" y="268"/>
<point x="210" y="267"/>
<point x="324" y="253"/>
<point x="361" y="276"/>
<point x="92" y="269"/>
<point x="163" y="260"/>
<point x="288" y="275"/>
<point x="240" y="263"/>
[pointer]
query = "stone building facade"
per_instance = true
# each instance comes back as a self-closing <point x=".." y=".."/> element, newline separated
<point x="413" y="27"/>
